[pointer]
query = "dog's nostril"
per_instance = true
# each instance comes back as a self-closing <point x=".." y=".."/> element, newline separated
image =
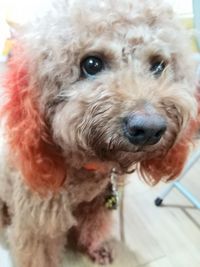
<point x="138" y="132"/>
<point x="160" y="132"/>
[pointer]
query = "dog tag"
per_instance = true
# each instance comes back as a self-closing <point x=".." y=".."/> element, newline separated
<point x="112" y="197"/>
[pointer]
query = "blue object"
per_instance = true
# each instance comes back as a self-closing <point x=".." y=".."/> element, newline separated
<point x="177" y="184"/>
<point x="196" y="10"/>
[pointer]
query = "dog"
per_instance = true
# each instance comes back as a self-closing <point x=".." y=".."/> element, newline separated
<point x="93" y="89"/>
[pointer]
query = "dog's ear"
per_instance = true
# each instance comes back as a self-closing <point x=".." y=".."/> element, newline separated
<point x="32" y="149"/>
<point x="169" y="167"/>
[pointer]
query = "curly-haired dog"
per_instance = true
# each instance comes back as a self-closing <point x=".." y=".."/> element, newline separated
<point x="95" y="85"/>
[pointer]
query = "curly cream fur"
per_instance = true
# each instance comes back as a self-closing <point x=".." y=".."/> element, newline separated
<point x="84" y="116"/>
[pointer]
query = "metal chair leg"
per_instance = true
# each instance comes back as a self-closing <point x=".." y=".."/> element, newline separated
<point x="158" y="201"/>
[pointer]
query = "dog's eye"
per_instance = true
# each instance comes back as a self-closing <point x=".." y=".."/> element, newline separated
<point x="91" y="65"/>
<point x="157" y="67"/>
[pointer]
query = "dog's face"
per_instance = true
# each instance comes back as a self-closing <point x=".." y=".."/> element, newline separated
<point x="114" y="81"/>
<point x="121" y="88"/>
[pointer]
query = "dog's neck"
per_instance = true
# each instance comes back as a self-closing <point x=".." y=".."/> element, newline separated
<point x="111" y="191"/>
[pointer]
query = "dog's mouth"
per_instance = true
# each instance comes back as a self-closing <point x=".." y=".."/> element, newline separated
<point x="127" y="154"/>
<point x="137" y="136"/>
<point x="119" y="149"/>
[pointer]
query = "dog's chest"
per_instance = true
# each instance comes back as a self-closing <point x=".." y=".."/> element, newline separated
<point x="84" y="186"/>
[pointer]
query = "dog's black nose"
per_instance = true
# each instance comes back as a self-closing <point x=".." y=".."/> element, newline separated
<point x="144" y="129"/>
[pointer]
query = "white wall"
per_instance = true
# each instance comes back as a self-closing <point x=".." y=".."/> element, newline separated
<point x="182" y="6"/>
<point x="23" y="10"/>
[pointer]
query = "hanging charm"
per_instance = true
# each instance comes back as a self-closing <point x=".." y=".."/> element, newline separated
<point x="112" y="197"/>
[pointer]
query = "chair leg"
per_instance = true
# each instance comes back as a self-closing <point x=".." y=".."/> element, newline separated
<point x="187" y="194"/>
<point x="158" y="201"/>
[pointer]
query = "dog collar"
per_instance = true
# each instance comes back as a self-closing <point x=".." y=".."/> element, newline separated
<point x="95" y="166"/>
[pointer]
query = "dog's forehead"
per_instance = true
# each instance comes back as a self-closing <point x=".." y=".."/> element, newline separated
<point x="126" y="9"/>
<point x="120" y="28"/>
<point x="119" y="18"/>
<point x="116" y="4"/>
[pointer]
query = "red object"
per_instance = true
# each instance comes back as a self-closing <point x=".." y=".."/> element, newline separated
<point x="169" y="167"/>
<point x="32" y="147"/>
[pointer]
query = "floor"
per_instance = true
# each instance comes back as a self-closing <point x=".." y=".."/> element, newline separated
<point x="168" y="236"/>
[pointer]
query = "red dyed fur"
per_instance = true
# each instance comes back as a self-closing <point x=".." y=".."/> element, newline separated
<point x="35" y="153"/>
<point x="172" y="164"/>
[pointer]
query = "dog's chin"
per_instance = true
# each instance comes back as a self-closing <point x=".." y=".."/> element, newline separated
<point x="123" y="159"/>
<point x="126" y="154"/>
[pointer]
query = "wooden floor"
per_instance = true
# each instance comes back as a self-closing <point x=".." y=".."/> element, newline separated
<point x="168" y="236"/>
